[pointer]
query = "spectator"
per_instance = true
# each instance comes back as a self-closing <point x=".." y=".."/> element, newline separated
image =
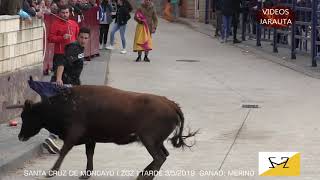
<point x="227" y="13"/>
<point x="63" y="31"/>
<point x="28" y="8"/>
<point x="175" y="7"/>
<point x="218" y="17"/>
<point x="24" y="15"/>
<point x="84" y="5"/>
<point x="93" y="3"/>
<point x="167" y="12"/>
<point x="41" y="9"/>
<point x="56" y="4"/>
<point x="70" y="69"/>
<point x="147" y="24"/>
<point x="54" y="7"/>
<point x="105" y="18"/>
<point x="74" y="9"/>
<point x="13" y="7"/>
<point x="235" y="19"/>
<point x="122" y="17"/>
<point x="10" y="7"/>
<point x="253" y="9"/>
<point x="114" y="8"/>
<point x="48" y="3"/>
<point x="41" y="5"/>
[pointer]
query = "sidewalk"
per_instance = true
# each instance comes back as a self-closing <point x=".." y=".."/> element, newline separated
<point x="301" y="64"/>
<point x="13" y="154"/>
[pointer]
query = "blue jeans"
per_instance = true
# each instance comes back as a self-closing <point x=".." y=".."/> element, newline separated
<point x="175" y="7"/>
<point x="122" y="29"/>
<point x="226" y="26"/>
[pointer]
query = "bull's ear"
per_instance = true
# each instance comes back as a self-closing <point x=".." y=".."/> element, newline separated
<point x="28" y="104"/>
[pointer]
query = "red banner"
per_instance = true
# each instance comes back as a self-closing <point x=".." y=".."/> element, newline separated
<point x="88" y="20"/>
<point x="48" y="47"/>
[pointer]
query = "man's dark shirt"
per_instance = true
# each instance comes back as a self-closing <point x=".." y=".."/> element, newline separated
<point x="73" y="64"/>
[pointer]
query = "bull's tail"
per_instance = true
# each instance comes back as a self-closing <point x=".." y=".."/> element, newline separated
<point x="178" y="139"/>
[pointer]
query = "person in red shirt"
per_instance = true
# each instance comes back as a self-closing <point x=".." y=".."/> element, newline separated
<point x="63" y="31"/>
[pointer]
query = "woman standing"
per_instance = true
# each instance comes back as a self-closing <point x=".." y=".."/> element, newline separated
<point x="105" y="10"/>
<point x="122" y="17"/>
<point x="147" y="24"/>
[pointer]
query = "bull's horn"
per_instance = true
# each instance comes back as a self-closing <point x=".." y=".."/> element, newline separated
<point x="15" y="106"/>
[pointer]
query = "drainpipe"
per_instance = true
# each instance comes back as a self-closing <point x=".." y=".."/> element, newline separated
<point x="314" y="33"/>
<point x="196" y="10"/>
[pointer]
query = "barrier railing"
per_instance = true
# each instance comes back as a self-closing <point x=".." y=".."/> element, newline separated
<point x="302" y="37"/>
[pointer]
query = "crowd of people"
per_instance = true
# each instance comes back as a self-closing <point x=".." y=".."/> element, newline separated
<point x="228" y="14"/>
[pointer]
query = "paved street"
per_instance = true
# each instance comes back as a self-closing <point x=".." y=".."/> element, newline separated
<point x="211" y="92"/>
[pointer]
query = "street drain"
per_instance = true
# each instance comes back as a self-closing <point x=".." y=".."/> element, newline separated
<point x="187" y="60"/>
<point x="250" y="106"/>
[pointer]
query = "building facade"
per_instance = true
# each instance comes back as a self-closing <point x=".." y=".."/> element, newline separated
<point x="201" y="10"/>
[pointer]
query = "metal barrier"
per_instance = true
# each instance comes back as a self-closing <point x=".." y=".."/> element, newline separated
<point x="302" y="37"/>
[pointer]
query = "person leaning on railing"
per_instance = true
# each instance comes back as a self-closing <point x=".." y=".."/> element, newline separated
<point x="29" y="7"/>
<point x="14" y="7"/>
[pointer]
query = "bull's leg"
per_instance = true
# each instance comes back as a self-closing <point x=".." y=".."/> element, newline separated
<point x="164" y="150"/>
<point x="64" y="151"/>
<point x="89" y="152"/>
<point x="159" y="157"/>
<point x="72" y="137"/>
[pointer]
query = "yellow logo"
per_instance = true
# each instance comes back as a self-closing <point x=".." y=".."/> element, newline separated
<point x="279" y="163"/>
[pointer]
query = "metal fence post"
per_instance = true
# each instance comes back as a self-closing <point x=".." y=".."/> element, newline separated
<point x="207" y="12"/>
<point x="275" y="39"/>
<point x="258" y="27"/>
<point x="243" y="28"/>
<point x="314" y="33"/>
<point x="293" y="33"/>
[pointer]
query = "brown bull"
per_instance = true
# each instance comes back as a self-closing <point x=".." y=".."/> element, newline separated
<point x="101" y="114"/>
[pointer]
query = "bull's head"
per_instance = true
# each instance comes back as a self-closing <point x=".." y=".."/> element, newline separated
<point x="31" y="124"/>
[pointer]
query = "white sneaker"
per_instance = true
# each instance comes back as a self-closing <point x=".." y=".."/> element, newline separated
<point x="123" y="51"/>
<point x="110" y="47"/>
<point x="100" y="46"/>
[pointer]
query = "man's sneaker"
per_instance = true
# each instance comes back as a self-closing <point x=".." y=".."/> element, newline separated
<point x="110" y="47"/>
<point x="52" y="144"/>
<point x="101" y="46"/>
<point x="48" y="148"/>
<point x="123" y="51"/>
<point x="52" y="136"/>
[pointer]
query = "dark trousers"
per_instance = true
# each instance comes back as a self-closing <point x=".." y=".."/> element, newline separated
<point x="253" y="23"/>
<point x="218" y="22"/>
<point x="104" y="30"/>
<point x="235" y="23"/>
